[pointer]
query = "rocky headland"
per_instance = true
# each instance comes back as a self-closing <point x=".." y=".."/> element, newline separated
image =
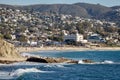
<point x="8" y="53"/>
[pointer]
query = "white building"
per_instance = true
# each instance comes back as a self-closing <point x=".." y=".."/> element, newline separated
<point x="13" y="37"/>
<point x="74" y="37"/>
<point x="32" y="43"/>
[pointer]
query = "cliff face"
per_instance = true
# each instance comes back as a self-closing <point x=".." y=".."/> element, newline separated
<point x="7" y="50"/>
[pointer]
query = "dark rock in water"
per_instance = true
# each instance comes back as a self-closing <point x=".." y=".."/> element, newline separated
<point x="35" y="59"/>
<point x="51" y="60"/>
<point x="87" y="61"/>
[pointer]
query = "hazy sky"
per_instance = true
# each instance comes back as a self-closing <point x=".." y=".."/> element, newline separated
<point x="28" y="2"/>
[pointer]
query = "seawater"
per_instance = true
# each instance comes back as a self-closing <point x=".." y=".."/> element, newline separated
<point x="106" y="67"/>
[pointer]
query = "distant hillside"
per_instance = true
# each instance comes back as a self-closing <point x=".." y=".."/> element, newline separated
<point x="115" y="7"/>
<point x="85" y="10"/>
<point x="8" y="6"/>
<point x="95" y="10"/>
<point x="73" y="10"/>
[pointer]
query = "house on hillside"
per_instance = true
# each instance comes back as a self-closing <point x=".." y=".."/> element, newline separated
<point x="95" y="38"/>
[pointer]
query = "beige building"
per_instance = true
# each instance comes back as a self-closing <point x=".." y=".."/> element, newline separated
<point x="75" y="37"/>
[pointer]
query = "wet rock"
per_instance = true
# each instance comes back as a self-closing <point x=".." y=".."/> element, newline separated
<point x="35" y="59"/>
<point x="88" y="61"/>
<point x="50" y="60"/>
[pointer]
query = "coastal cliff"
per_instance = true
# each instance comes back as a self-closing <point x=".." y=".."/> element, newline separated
<point x="8" y="53"/>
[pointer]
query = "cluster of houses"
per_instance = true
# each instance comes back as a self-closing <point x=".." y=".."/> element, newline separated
<point x="68" y="39"/>
<point x="79" y="38"/>
<point x="37" y="27"/>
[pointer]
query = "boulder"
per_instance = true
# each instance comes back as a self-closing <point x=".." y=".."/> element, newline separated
<point x="36" y="59"/>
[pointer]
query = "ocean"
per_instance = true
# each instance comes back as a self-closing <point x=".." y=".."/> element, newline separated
<point x="106" y="67"/>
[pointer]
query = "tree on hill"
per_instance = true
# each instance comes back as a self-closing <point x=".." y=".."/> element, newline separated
<point x="22" y="38"/>
<point x="7" y="36"/>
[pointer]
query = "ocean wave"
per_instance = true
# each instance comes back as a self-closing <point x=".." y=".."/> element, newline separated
<point x="27" y="54"/>
<point x="20" y="72"/>
<point x="5" y="75"/>
<point x="102" y="62"/>
<point x="57" y="65"/>
<point x="108" y="62"/>
<point x="81" y="62"/>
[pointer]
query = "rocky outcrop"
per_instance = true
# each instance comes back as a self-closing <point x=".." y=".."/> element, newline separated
<point x="8" y="53"/>
<point x="87" y="61"/>
<point x="35" y="59"/>
<point x="50" y="60"/>
<point x="7" y="61"/>
<point x="7" y="50"/>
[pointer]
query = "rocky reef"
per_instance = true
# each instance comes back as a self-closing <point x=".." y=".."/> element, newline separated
<point x="87" y="61"/>
<point x="57" y="60"/>
<point x="50" y="60"/>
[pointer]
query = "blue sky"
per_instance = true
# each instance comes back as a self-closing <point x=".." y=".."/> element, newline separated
<point x="28" y="2"/>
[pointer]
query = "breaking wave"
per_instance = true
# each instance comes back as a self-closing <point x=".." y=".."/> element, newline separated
<point x="56" y="65"/>
<point x="108" y="62"/>
<point x="20" y="72"/>
<point x="81" y="62"/>
<point x="5" y="75"/>
<point x="102" y="62"/>
<point x="27" y="54"/>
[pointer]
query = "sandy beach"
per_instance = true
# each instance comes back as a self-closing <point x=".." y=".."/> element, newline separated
<point x="32" y="49"/>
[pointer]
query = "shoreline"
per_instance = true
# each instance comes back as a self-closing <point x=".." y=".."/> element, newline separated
<point x="34" y="49"/>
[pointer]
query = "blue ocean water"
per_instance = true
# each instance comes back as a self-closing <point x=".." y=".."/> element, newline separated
<point x="106" y="67"/>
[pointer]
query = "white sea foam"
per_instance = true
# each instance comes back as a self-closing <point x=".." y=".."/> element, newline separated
<point x="27" y="54"/>
<point x="61" y="66"/>
<point x="104" y="62"/>
<point x="19" y="72"/>
<point x="55" y="65"/>
<point x="80" y="62"/>
<point x="48" y="66"/>
<point x="107" y="62"/>
<point x="5" y="75"/>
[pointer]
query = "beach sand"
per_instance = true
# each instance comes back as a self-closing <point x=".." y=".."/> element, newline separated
<point x="33" y="49"/>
